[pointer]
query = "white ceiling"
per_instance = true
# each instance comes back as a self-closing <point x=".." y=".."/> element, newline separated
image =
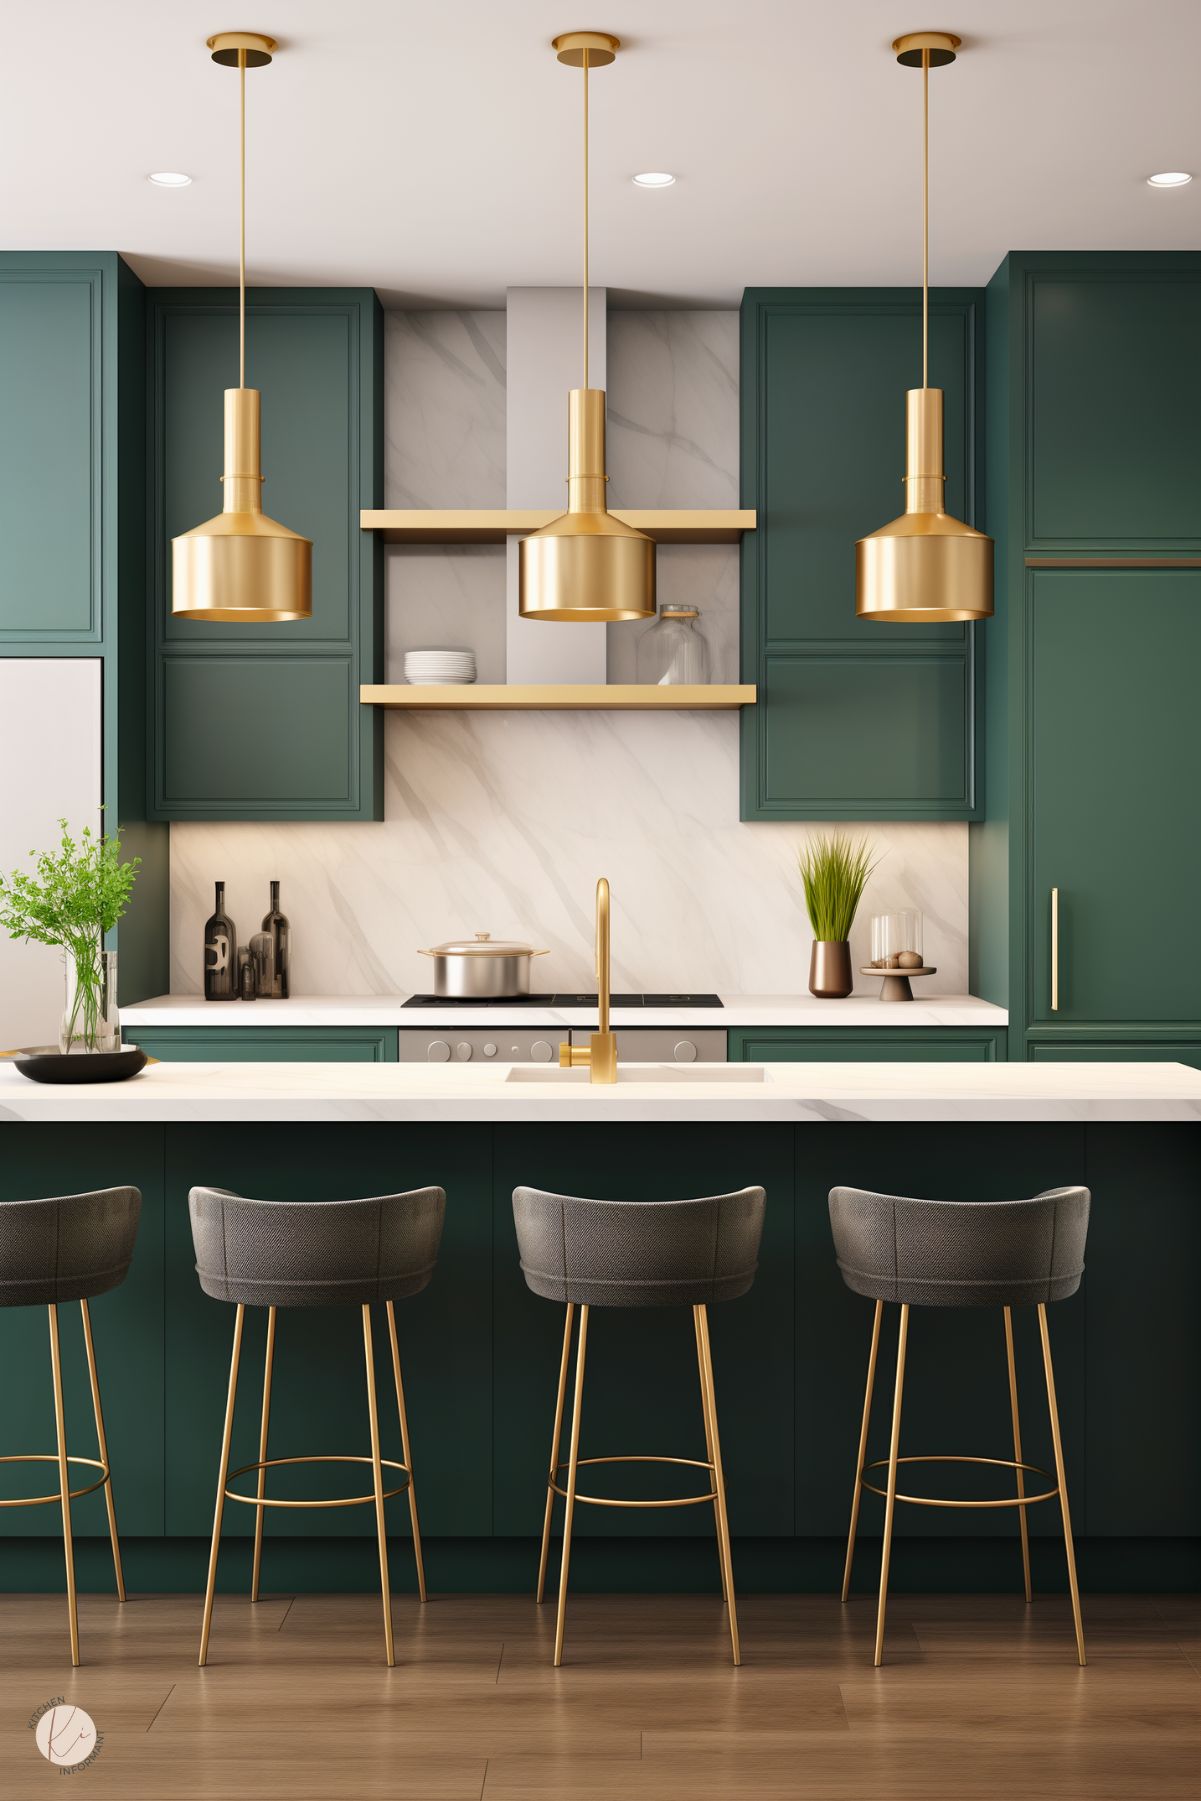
<point x="432" y="150"/>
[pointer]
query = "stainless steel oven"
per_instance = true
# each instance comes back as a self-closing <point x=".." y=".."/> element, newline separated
<point x="522" y="1044"/>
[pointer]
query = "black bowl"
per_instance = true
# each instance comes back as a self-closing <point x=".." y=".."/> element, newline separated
<point x="42" y="1063"/>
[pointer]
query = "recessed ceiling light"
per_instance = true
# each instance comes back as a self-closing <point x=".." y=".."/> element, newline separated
<point x="655" y="178"/>
<point x="170" y="178"/>
<point x="1171" y="178"/>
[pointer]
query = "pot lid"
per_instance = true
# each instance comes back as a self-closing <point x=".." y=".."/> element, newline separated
<point x="483" y="945"/>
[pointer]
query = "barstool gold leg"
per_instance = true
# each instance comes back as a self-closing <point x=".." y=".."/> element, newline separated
<point x="1017" y="1450"/>
<point x="378" y="1474"/>
<point x="700" y="1364"/>
<point x="405" y="1449"/>
<point x="102" y="1443"/>
<point x="863" y="1431"/>
<point x="222" y="1478"/>
<point x="64" y="1480"/>
<point x="564" y="1365"/>
<point x="719" y="1483"/>
<point x="1061" y="1479"/>
<point x="890" y="1505"/>
<point x="260" y="1512"/>
<point x="572" y="1473"/>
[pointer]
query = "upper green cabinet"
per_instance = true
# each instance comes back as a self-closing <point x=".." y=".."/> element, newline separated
<point x="856" y="719"/>
<point x="52" y="395"/>
<point x="264" y="721"/>
<point x="1113" y="397"/>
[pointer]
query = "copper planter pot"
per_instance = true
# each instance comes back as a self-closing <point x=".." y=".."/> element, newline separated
<point x="830" y="977"/>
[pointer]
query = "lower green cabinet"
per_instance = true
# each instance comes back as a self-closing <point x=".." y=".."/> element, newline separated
<point x="854" y="1044"/>
<point x="1161" y="1051"/>
<point x="266" y="1044"/>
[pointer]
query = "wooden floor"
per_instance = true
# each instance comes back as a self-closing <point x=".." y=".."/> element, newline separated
<point x="980" y="1698"/>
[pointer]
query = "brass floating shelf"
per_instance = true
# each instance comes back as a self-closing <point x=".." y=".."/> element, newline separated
<point x="492" y="525"/>
<point x="557" y="697"/>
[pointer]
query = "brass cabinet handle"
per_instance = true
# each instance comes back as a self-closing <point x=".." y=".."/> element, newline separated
<point x="1055" y="950"/>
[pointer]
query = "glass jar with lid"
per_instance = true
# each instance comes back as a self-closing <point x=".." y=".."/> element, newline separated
<point x="673" y="649"/>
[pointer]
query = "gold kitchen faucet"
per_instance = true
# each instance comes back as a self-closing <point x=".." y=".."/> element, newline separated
<point x="600" y="1054"/>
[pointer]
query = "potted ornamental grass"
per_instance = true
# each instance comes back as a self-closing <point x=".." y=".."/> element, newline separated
<point x="834" y="873"/>
<point x="73" y="897"/>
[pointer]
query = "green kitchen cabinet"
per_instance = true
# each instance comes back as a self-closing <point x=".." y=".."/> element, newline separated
<point x="1092" y="736"/>
<point x="856" y="719"/>
<point x="264" y="721"/>
<point x="1159" y="1049"/>
<point x="265" y="1044"/>
<point x="73" y="531"/>
<point x="857" y="1044"/>
<point x="1115" y="818"/>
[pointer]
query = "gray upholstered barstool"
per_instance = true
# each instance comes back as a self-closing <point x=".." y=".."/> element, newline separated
<point x="636" y="1254"/>
<point x="71" y="1247"/>
<point x="1003" y="1254"/>
<point x="276" y="1254"/>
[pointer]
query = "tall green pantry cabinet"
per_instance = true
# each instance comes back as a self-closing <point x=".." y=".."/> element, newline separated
<point x="73" y="537"/>
<point x="1086" y="871"/>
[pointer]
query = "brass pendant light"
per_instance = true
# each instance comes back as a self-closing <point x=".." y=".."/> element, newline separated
<point x="924" y="566"/>
<point x="586" y="566"/>
<point x="242" y="566"/>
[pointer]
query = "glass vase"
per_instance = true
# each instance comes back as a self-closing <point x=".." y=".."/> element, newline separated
<point x="90" y="1020"/>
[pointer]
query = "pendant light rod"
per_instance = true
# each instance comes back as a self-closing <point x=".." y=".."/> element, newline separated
<point x="585" y="66"/>
<point x="924" y="217"/>
<point x="241" y="217"/>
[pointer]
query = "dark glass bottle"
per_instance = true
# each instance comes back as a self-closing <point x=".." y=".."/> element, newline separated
<point x="220" y="953"/>
<point x="276" y="924"/>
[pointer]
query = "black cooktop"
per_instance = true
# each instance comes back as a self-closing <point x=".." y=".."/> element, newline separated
<point x="570" y="1000"/>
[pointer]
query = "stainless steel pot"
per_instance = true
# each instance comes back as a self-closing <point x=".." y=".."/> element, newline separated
<point x="481" y="968"/>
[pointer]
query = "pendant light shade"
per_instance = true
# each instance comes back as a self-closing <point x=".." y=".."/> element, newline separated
<point x="586" y="567"/>
<point x="242" y="565"/>
<point x="925" y="566"/>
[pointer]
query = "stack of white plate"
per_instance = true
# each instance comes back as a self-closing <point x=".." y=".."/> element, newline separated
<point x="424" y="667"/>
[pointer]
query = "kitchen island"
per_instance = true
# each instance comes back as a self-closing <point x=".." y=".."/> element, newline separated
<point x="481" y="1353"/>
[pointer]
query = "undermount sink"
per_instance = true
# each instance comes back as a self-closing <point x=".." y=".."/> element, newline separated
<point x="691" y="1074"/>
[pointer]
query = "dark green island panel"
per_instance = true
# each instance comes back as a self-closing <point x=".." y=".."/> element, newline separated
<point x="73" y="526"/>
<point x="481" y="1360"/>
<point x="264" y="721"/>
<point x="856" y="719"/>
<point x="1093" y="729"/>
<point x="857" y="1044"/>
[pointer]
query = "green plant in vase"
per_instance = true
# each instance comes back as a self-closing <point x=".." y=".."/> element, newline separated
<point x="834" y="872"/>
<point x="72" y="898"/>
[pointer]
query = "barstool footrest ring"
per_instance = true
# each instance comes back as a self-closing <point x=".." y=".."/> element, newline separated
<point x="92" y="1463"/>
<point x="270" y="1463"/>
<point x="692" y="1463"/>
<point x="1000" y="1463"/>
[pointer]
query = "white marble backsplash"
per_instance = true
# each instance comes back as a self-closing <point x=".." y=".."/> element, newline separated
<point x="502" y="822"/>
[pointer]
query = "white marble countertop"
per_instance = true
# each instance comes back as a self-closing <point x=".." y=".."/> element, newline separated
<point x="780" y="1010"/>
<point x="782" y="1092"/>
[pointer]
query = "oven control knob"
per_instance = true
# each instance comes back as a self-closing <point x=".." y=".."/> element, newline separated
<point x="438" y="1051"/>
<point x="489" y="1050"/>
<point x="540" y="1051"/>
<point x="685" y="1051"/>
<point x="463" y="1052"/>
